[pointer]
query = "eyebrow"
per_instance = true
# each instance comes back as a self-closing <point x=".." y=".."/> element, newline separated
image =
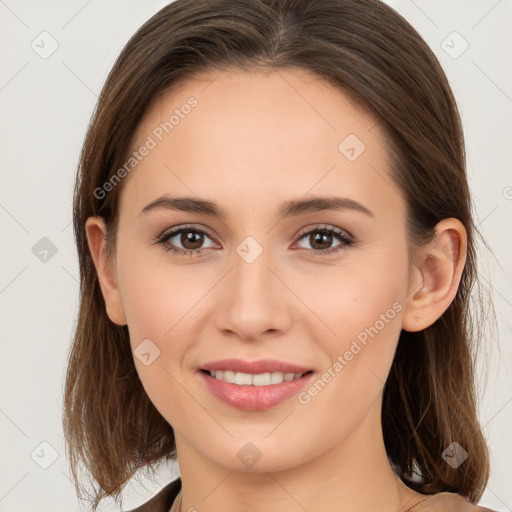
<point x="290" y="208"/>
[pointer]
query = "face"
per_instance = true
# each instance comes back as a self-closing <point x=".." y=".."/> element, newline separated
<point x="305" y="264"/>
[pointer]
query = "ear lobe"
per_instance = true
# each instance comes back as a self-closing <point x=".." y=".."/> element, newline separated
<point x="95" y="230"/>
<point x="436" y="276"/>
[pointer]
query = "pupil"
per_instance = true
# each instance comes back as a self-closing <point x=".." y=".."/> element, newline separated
<point x="320" y="238"/>
<point x="192" y="238"/>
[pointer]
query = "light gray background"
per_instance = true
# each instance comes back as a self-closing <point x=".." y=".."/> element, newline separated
<point x="45" y="106"/>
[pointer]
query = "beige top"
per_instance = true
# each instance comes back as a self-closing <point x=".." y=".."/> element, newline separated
<point x="441" y="502"/>
<point x="446" y="502"/>
<point x="168" y="500"/>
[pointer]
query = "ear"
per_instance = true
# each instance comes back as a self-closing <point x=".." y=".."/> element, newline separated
<point x="105" y="268"/>
<point x="435" y="276"/>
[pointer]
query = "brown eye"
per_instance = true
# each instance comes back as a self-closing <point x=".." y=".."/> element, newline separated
<point x="191" y="239"/>
<point x="321" y="240"/>
<point x="186" y="240"/>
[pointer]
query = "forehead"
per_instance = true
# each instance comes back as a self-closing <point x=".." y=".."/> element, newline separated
<point x="263" y="131"/>
<point x="282" y="96"/>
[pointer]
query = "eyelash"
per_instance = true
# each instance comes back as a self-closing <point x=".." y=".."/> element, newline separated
<point x="345" y="239"/>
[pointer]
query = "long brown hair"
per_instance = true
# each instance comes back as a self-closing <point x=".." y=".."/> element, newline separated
<point x="371" y="53"/>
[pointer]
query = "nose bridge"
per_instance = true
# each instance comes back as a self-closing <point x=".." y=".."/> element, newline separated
<point x="254" y="299"/>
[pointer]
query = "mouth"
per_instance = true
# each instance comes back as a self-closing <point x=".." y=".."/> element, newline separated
<point x="254" y="391"/>
<point x="250" y="379"/>
<point x="254" y="385"/>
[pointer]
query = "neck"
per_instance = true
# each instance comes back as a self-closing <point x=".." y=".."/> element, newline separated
<point x="355" y="475"/>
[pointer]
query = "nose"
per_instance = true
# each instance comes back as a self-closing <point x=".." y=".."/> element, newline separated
<point x="254" y="301"/>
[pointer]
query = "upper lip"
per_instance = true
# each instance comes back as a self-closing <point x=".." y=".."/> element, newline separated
<point x="255" y="367"/>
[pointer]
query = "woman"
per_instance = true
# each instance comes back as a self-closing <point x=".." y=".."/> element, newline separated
<point x="276" y="246"/>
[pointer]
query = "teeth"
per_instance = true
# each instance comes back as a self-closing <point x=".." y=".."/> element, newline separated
<point x="248" y="379"/>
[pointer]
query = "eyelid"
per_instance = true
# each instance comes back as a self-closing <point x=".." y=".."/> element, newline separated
<point x="177" y="229"/>
<point x="325" y="227"/>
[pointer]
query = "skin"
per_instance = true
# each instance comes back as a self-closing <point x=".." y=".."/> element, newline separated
<point x="255" y="140"/>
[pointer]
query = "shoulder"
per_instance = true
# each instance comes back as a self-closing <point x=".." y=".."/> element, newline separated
<point x="162" y="501"/>
<point x="447" y="502"/>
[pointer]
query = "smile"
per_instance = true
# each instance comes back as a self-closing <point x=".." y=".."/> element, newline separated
<point x="249" y="379"/>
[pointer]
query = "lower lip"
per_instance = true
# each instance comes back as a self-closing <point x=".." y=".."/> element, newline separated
<point x="254" y="398"/>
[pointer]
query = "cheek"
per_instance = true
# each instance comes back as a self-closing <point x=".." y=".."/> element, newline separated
<point x="148" y="305"/>
<point x="158" y="302"/>
<point x="362" y="306"/>
<point x="353" y="297"/>
<point x="163" y="303"/>
<point x="155" y="295"/>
